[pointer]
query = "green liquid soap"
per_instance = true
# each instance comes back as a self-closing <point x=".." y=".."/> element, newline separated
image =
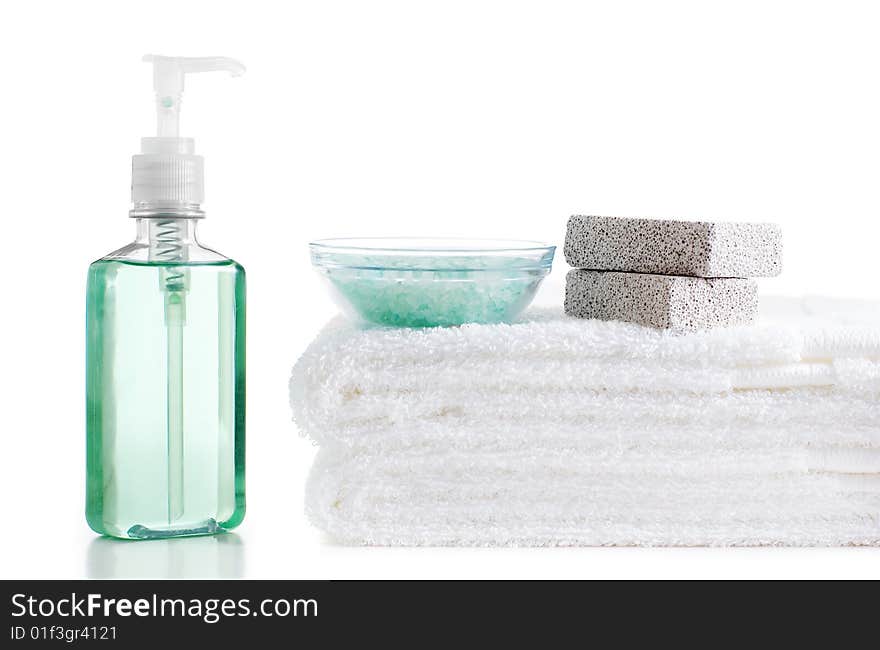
<point x="165" y="397"/>
<point x="165" y="347"/>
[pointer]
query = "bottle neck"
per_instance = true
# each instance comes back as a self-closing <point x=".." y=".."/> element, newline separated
<point x="169" y="238"/>
<point x="167" y="235"/>
<point x="166" y="210"/>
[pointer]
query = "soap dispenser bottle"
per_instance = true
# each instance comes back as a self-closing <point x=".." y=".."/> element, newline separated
<point x="165" y="368"/>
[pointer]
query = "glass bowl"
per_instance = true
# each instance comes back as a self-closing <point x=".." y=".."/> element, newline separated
<point x="410" y="282"/>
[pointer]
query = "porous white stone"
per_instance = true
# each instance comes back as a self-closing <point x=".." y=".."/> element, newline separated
<point x="669" y="247"/>
<point x="664" y="301"/>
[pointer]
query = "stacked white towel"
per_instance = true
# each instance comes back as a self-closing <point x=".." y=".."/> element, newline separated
<point x="559" y="431"/>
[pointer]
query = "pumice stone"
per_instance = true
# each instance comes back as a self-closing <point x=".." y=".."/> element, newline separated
<point x="662" y="301"/>
<point x="669" y="247"/>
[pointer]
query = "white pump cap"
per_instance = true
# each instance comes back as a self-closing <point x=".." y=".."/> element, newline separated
<point x="167" y="172"/>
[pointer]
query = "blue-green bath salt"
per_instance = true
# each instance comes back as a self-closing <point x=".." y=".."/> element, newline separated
<point x="434" y="291"/>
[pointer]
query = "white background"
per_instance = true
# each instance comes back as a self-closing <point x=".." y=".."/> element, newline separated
<point x="393" y="118"/>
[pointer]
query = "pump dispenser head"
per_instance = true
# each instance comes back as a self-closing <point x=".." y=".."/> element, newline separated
<point x="167" y="174"/>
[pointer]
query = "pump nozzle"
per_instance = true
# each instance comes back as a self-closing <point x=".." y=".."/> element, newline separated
<point x="168" y="173"/>
<point x="168" y="77"/>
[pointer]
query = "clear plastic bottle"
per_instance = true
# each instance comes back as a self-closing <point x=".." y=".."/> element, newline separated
<point x="165" y="323"/>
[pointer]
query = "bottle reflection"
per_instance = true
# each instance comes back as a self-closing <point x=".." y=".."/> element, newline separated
<point x="215" y="556"/>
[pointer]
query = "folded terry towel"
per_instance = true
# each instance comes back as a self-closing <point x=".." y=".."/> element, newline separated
<point x="352" y="381"/>
<point x="555" y="431"/>
<point x="565" y="498"/>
